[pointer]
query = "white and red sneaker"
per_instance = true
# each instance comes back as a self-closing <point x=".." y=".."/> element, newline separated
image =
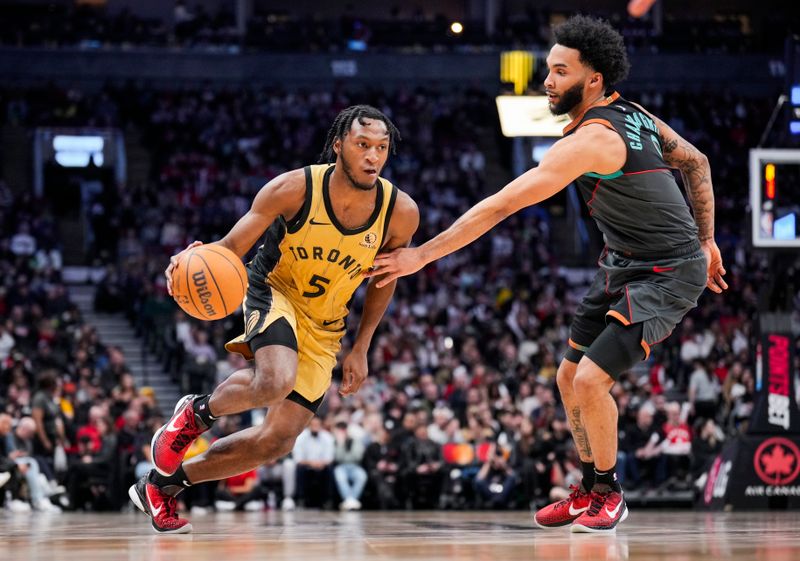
<point x="604" y="513"/>
<point x="565" y="511"/>
<point x="170" y="442"/>
<point x="159" y="506"/>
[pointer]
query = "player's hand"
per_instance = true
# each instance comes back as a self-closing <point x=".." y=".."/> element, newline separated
<point x="714" y="280"/>
<point x="354" y="372"/>
<point x="173" y="262"/>
<point x="398" y="263"/>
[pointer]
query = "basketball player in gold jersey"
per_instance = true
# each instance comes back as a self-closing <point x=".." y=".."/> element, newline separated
<point x="324" y="225"/>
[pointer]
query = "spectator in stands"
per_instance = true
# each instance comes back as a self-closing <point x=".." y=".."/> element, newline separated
<point x="349" y="475"/>
<point x="565" y="475"/>
<point x="676" y="443"/>
<point x="382" y="463"/>
<point x="437" y="430"/>
<point x="283" y="474"/>
<point x="527" y="460"/>
<point x="142" y="459"/>
<point x="16" y="449"/>
<point x="704" y="391"/>
<point x="422" y="469"/>
<point x="201" y="363"/>
<point x="737" y="395"/>
<point x="706" y="446"/>
<point x="123" y="394"/>
<point x="696" y="344"/>
<point x="240" y="492"/>
<point x="11" y="475"/>
<point x="6" y="341"/>
<point x="111" y="376"/>
<point x="314" y="452"/>
<point x="23" y="244"/>
<point x="91" y="431"/>
<point x="88" y="478"/>
<point x="640" y="462"/>
<point x="45" y="412"/>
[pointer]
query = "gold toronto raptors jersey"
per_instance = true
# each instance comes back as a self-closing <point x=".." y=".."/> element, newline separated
<point x="315" y="261"/>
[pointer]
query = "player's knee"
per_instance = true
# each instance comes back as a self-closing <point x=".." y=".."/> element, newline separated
<point x="588" y="381"/>
<point x="271" y="384"/>
<point x="565" y="376"/>
<point x="275" y="443"/>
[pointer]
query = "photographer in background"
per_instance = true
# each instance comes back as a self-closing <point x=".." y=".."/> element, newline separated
<point x="496" y="479"/>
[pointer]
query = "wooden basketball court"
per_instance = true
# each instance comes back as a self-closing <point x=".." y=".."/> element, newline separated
<point x="391" y="536"/>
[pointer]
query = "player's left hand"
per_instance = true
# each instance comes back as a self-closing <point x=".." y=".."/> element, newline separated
<point x="398" y="263"/>
<point x="354" y="372"/>
<point x="715" y="269"/>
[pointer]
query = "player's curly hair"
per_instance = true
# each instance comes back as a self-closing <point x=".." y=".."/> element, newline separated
<point x="601" y="47"/>
<point x="343" y="122"/>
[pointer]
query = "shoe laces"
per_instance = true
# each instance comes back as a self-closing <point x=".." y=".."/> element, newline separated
<point x="575" y="493"/>
<point x="182" y="439"/>
<point x="598" y="500"/>
<point x="171" y="506"/>
<point x="188" y="432"/>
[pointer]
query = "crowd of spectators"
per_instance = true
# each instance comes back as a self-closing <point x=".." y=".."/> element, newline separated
<point x="191" y="26"/>
<point x="69" y="413"/>
<point x="460" y="408"/>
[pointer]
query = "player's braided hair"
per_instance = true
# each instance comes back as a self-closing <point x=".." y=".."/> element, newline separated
<point x="343" y="122"/>
<point x="601" y="47"/>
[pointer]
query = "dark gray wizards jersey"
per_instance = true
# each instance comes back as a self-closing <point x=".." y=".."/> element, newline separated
<point x="639" y="208"/>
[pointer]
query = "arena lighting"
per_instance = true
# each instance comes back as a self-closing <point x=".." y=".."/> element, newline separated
<point x="528" y="115"/>
<point x="769" y="180"/>
<point x="456" y="27"/>
<point x="77" y="151"/>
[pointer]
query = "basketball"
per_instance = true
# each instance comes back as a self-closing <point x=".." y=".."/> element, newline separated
<point x="209" y="282"/>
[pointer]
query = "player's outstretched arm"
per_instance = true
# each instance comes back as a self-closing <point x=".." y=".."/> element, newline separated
<point x="404" y="222"/>
<point x="284" y="196"/>
<point x="696" y="171"/>
<point x="568" y="159"/>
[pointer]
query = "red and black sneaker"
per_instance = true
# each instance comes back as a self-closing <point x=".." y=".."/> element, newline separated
<point x="604" y="513"/>
<point x="170" y="442"/>
<point x="565" y="511"/>
<point x="159" y="506"/>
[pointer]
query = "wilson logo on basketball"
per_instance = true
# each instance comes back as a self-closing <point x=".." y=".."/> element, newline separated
<point x="201" y="289"/>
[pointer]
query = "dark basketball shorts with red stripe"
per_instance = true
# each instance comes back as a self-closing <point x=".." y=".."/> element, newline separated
<point x="654" y="292"/>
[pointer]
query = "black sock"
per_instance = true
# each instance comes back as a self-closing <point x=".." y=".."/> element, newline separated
<point x="170" y="484"/>
<point x="605" y="481"/>
<point x="588" y="475"/>
<point x="202" y="410"/>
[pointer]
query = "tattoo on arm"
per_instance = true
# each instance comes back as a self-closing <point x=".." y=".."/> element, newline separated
<point x="580" y="436"/>
<point x="696" y="174"/>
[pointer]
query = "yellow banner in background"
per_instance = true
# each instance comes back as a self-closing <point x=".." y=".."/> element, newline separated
<point x="517" y="67"/>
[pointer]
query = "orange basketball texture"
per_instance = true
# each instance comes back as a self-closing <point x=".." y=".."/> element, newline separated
<point x="209" y="282"/>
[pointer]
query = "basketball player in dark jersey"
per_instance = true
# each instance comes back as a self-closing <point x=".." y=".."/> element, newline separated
<point x="321" y="225"/>
<point x="657" y="260"/>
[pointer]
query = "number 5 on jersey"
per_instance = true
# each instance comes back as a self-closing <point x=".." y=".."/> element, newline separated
<point x="318" y="283"/>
